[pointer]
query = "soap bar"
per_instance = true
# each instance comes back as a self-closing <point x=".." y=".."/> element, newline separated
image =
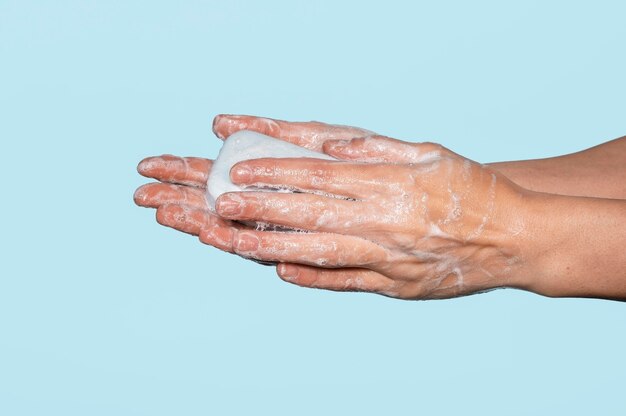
<point x="244" y="145"/>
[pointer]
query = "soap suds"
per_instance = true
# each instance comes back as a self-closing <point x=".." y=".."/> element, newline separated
<point x="245" y="145"/>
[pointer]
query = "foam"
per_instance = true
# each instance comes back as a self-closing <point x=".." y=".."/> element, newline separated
<point x="244" y="145"/>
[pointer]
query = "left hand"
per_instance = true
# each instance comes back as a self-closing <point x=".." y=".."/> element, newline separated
<point x="179" y="194"/>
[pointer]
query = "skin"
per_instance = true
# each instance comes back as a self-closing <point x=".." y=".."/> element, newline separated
<point x="412" y="221"/>
<point x="598" y="172"/>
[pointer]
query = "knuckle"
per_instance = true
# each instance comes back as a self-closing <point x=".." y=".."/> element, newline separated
<point x="258" y="208"/>
<point x="352" y="285"/>
<point x="360" y="141"/>
<point x="436" y="148"/>
<point x="267" y="125"/>
<point x="319" y="215"/>
<point x="205" y="236"/>
<point x="320" y="176"/>
<point x="393" y="290"/>
<point x="429" y="146"/>
<point x="375" y="139"/>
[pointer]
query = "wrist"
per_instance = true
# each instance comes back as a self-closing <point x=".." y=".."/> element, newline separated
<point x="543" y="247"/>
<point x="534" y="175"/>
<point x="573" y="246"/>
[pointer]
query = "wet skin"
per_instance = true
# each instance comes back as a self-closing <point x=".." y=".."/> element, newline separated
<point x="407" y="220"/>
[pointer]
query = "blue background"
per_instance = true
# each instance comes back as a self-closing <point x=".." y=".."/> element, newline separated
<point x="104" y="312"/>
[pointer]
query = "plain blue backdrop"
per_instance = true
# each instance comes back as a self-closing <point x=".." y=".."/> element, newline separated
<point x="104" y="312"/>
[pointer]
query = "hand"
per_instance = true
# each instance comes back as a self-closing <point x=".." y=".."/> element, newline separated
<point x="179" y="196"/>
<point x="181" y="205"/>
<point x="415" y="222"/>
<point x="568" y="246"/>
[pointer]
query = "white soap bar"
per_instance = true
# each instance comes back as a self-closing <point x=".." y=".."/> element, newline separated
<point x="244" y="145"/>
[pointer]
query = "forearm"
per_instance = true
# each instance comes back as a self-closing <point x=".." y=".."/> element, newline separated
<point x="576" y="246"/>
<point x="597" y="172"/>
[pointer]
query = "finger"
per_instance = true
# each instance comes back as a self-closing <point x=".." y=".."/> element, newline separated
<point x="212" y="230"/>
<point x="185" y="218"/>
<point x="352" y="180"/>
<point x="297" y="211"/>
<point x="153" y="195"/>
<point x="344" y="280"/>
<point x="384" y="150"/>
<point x="311" y="134"/>
<point x="192" y="171"/>
<point x="220" y="233"/>
<point x="315" y="249"/>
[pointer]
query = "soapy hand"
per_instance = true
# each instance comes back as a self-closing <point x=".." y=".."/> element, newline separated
<point x="409" y="220"/>
<point x="179" y="196"/>
<point x="416" y="220"/>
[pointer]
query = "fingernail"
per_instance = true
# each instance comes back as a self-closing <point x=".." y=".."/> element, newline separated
<point x="241" y="174"/>
<point x="247" y="242"/>
<point x="228" y="206"/>
<point x="216" y="121"/>
<point x="288" y="271"/>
